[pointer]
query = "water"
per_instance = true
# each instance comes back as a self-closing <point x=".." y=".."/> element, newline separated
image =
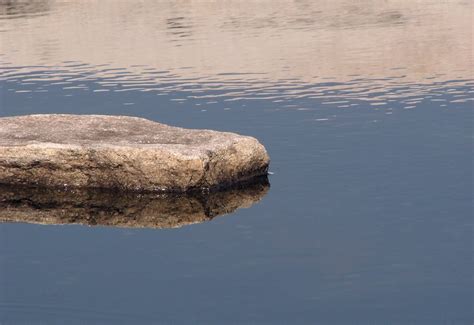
<point x="365" y="108"/>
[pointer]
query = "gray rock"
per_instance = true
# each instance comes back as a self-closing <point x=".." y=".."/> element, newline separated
<point x="126" y="153"/>
<point x="94" y="207"/>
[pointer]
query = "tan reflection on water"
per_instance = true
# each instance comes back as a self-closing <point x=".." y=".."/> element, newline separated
<point x="266" y="41"/>
<point x="106" y="208"/>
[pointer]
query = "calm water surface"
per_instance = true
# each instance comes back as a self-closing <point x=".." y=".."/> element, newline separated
<point x="365" y="108"/>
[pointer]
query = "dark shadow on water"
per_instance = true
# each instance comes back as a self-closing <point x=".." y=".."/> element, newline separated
<point x="111" y="208"/>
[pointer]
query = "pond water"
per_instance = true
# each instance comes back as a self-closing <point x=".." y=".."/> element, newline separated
<point x="365" y="107"/>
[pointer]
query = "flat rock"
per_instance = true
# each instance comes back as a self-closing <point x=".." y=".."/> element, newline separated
<point x="121" y="152"/>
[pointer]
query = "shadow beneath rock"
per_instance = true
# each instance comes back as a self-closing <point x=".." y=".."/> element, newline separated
<point x="118" y="209"/>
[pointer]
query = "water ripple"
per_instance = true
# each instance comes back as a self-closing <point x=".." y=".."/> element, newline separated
<point x="337" y="53"/>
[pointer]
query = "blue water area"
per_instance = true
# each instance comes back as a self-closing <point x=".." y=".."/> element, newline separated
<point x="368" y="219"/>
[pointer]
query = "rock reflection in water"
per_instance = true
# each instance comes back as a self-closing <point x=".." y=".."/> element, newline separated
<point x="108" y="208"/>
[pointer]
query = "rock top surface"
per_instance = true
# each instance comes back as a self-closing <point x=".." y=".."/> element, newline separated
<point x="121" y="152"/>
